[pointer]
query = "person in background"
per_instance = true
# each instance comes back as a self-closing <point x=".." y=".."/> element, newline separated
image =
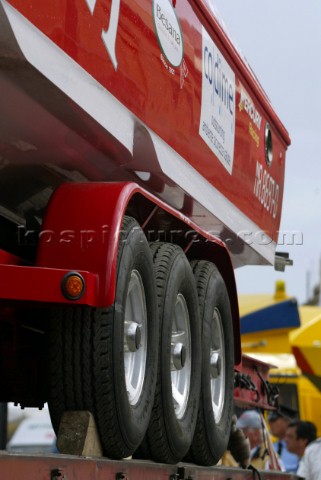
<point x="238" y="450"/>
<point x="251" y="423"/>
<point x="278" y="423"/>
<point x="310" y="464"/>
<point x="298" y="436"/>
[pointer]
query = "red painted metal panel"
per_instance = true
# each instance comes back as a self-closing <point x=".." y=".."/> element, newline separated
<point x="86" y="235"/>
<point x="253" y="392"/>
<point x="32" y="467"/>
<point x="9" y="259"/>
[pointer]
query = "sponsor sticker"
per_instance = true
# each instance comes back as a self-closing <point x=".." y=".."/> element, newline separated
<point x="168" y="31"/>
<point x="266" y="190"/>
<point x="217" y="122"/>
<point x="247" y="105"/>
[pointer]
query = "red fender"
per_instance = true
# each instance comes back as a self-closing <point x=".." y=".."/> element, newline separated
<point x="81" y="232"/>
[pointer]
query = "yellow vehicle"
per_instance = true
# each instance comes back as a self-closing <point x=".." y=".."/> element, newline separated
<point x="273" y="328"/>
<point x="306" y="345"/>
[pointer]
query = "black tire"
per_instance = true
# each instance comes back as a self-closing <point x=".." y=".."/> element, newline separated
<point x="171" y="431"/>
<point x="214" y="419"/>
<point x="86" y="354"/>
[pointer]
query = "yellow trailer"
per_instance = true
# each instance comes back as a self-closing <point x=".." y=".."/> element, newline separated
<point x="274" y="329"/>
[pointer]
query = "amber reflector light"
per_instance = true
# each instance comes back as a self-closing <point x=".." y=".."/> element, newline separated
<point x="73" y="286"/>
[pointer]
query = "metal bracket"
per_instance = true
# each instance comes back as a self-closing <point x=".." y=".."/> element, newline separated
<point x="244" y="381"/>
<point x="281" y="261"/>
<point x="271" y="391"/>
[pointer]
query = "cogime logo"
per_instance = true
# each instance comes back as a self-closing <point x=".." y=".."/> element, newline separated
<point x="217" y="120"/>
<point x="218" y="79"/>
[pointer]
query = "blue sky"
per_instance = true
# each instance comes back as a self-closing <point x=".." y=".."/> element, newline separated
<point x="281" y="40"/>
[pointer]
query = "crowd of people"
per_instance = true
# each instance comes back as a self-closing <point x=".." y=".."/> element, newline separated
<point x="296" y="446"/>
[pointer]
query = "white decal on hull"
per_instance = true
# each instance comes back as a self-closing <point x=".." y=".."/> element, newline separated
<point x="109" y="36"/>
<point x="91" y="5"/>
<point x="217" y="122"/>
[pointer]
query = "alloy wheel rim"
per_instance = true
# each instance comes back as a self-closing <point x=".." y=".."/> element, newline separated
<point x="135" y="338"/>
<point x="181" y="356"/>
<point x="217" y="365"/>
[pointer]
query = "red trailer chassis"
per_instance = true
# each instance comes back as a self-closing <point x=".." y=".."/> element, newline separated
<point x="64" y="467"/>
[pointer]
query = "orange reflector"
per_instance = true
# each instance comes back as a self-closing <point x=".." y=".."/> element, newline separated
<point x="73" y="286"/>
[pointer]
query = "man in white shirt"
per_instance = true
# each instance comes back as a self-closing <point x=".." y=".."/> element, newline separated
<point x="300" y="438"/>
<point x="310" y="464"/>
